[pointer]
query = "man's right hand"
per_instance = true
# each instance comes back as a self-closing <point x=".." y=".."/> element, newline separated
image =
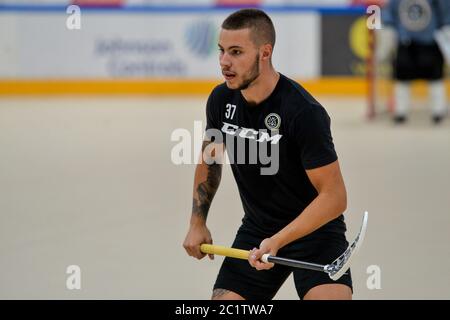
<point x="197" y="235"/>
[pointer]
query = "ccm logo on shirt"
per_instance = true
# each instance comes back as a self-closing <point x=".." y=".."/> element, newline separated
<point x="246" y="133"/>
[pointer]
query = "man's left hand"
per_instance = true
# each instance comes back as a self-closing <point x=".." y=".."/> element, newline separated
<point x="269" y="246"/>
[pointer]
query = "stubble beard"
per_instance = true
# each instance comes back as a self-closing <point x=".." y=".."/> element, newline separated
<point x="252" y="75"/>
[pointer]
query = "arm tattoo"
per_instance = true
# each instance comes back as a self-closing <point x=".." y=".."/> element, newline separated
<point x="207" y="189"/>
<point x="217" y="293"/>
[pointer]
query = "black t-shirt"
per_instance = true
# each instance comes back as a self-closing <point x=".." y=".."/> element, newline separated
<point x="289" y="120"/>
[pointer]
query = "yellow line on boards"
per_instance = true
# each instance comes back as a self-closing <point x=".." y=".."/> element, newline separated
<point x="348" y="86"/>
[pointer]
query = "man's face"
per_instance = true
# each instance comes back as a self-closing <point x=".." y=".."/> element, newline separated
<point x="239" y="58"/>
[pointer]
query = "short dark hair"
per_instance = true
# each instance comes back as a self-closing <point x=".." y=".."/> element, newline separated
<point x="259" y="23"/>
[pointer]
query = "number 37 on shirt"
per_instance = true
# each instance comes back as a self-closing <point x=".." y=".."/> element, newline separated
<point x="231" y="109"/>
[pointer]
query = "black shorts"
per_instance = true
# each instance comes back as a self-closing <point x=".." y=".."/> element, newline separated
<point x="418" y="61"/>
<point x="240" y="277"/>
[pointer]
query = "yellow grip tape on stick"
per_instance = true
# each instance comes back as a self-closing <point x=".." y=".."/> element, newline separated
<point x="224" y="251"/>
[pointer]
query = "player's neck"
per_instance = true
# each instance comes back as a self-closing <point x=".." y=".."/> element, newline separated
<point x="262" y="87"/>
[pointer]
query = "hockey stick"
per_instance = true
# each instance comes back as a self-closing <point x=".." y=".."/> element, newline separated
<point x="335" y="270"/>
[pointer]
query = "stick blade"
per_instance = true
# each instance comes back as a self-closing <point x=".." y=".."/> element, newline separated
<point x="339" y="266"/>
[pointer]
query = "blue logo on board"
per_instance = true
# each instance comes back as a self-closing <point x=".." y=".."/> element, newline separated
<point x="201" y="38"/>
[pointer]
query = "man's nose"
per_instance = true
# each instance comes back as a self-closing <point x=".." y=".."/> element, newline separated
<point x="225" y="60"/>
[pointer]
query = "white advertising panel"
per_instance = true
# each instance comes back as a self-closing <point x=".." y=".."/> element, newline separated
<point x="115" y="44"/>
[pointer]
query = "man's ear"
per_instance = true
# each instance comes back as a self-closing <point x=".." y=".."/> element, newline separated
<point x="266" y="52"/>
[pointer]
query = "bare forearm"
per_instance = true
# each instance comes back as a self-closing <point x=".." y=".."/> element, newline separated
<point x="324" y="208"/>
<point x="206" y="182"/>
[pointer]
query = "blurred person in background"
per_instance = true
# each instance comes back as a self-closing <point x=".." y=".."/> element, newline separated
<point x="413" y="25"/>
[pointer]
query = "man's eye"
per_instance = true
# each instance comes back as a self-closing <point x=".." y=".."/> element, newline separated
<point x="237" y="52"/>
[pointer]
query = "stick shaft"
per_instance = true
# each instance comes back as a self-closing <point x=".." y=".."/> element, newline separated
<point x="296" y="263"/>
<point x="243" y="254"/>
<point x="224" y="251"/>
